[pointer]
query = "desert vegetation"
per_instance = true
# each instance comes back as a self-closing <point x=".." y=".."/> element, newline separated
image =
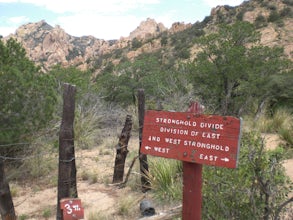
<point x="232" y="74"/>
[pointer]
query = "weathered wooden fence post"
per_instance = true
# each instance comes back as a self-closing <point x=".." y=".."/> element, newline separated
<point x="67" y="168"/>
<point x="122" y="151"/>
<point x="6" y="204"/>
<point x="144" y="168"/>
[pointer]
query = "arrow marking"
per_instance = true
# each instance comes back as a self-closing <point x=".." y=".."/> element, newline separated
<point x="225" y="159"/>
<point x="147" y="147"/>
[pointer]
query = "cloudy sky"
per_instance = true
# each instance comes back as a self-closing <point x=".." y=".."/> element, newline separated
<point x="104" y="19"/>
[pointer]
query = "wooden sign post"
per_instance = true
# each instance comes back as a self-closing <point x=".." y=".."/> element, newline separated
<point x="192" y="181"/>
<point x="195" y="139"/>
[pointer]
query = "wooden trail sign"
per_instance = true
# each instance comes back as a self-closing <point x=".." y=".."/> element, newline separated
<point x="195" y="139"/>
<point x="203" y="139"/>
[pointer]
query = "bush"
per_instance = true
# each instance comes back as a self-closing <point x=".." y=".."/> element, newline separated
<point x="136" y="43"/>
<point x="274" y="16"/>
<point x="255" y="190"/>
<point x="260" y="21"/>
<point x="28" y="96"/>
<point x="288" y="2"/>
<point x="286" y="12"/>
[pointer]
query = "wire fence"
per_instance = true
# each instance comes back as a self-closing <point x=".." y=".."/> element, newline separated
<point x="41" y="163"/>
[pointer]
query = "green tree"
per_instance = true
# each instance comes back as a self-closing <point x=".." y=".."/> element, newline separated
<point x="232" y="72"/>
<point x="120" y="84"/>
<point x="147" y="71"/>
<point x="81" y="79"/>
<point x="27" y="95"/>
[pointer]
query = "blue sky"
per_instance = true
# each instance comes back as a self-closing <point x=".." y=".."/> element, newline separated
<point x="104" y="19"/>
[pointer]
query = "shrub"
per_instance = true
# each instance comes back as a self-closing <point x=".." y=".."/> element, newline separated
<point x="136" y="43"/>
<point x="288" y="2"/>
<point x="274" y="16"/>
<point x="260" y="21"/>
<point x="166" y="179"/>
<point x="256" y="189"/>
<point x="286" y="12"/>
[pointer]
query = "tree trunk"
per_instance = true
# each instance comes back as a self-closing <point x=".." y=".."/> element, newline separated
<point x="144" y="168"/>
<point x="67" y="168"/>
<point x="227" y="99"/>
<point x="6" y="204"/>
<point x="122" y="151"/>
<point x="260" y="110"/>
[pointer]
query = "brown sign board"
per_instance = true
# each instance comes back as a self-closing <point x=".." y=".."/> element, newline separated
<point x="72" y="208"/>
<point x="204" y="139"/>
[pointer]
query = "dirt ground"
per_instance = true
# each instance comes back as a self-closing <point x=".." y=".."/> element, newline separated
<point x="99" y="198"/>
<point x="94" y="177"/>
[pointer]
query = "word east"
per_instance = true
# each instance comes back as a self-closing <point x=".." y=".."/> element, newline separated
<point x="208" y="157"/>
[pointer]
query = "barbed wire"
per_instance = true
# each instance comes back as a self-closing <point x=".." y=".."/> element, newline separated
<point x="14" y="144"/>
<point x="52" y="155"/>
<point x="24" y="158"/>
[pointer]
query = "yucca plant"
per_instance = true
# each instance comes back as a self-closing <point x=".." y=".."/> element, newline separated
<point x="166" y="179"/>
<point x="86" y="127"/>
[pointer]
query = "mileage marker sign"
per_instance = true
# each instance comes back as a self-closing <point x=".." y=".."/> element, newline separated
<point x="203" y="139"/>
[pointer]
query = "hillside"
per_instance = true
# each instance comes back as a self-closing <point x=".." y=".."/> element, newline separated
<point x="48" y="46"/>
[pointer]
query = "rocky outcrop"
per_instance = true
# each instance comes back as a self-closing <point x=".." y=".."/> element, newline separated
<point x="179" y="26"/>
<point x="48" y="46"/>
<point x="147" y="29"/>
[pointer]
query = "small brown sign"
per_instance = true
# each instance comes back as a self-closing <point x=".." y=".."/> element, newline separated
<point x="204" y="139"/>
<point x="72" y="208"/>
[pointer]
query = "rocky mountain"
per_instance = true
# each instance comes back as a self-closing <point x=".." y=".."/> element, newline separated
<point x="48" y="46"/>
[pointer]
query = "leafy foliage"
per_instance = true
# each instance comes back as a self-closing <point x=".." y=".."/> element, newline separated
<point x="147" y="72"/>
<point x="72" y="75"/>
<point x="27" y="95"/>
<point x="255" y="190"/>
<point x="233" y="76"/>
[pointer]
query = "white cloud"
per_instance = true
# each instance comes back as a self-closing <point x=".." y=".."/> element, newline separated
<point x="7" y="1"/>
<point x="10" y="24"/>
<point x="18" y="20"/>
<point x="100" y="18"/>
<point x="74" y="6"/>
<point x="5" y="31"/>
<point x="100" y="26"/>
<point x="214" y="3"/>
